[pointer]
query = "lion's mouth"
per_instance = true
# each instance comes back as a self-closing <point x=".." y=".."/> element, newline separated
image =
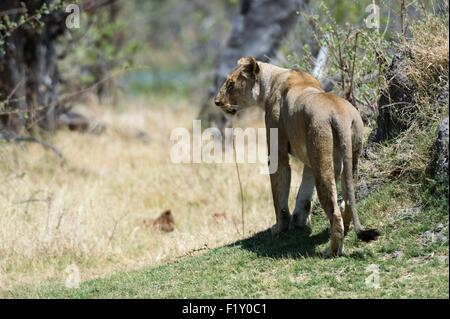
<point x="230" y="109"/>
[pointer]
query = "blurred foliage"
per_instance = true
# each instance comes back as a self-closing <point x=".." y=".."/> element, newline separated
<point x="141" y="46"/>
<point x="94" y="55"/>
<point x="166" y="46"/>
<point x="21" y="17"/>
<point x="180" y="41"/>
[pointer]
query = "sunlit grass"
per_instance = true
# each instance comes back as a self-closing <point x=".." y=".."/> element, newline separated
<point x="290" y="265"/>
<point x="89" y="210"/>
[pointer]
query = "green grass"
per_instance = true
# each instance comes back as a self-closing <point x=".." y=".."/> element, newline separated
<point x="289" y="265"/>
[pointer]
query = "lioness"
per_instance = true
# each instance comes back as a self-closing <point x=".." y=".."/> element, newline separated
<point x="321" y="129"/>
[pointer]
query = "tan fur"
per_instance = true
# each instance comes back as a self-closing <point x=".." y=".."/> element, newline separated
<point x="321" y="129"/>
<point x="165" y="222"/>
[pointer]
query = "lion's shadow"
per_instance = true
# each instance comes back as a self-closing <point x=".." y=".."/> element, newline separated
<point x="292" y="244"/>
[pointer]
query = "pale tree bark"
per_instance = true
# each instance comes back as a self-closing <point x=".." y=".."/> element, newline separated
<point x="258" y="28"/>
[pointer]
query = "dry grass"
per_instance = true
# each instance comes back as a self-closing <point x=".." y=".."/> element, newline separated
<point x="428" y="69"/>
<point x="429" y="48"/>
<point x="90" y="211"/>
<point x="408" y="155"/>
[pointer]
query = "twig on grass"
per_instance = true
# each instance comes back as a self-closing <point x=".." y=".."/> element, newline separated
<point x="11" y="137"/>
<point x="192" y="251"/>
<point x="240" y="186"/>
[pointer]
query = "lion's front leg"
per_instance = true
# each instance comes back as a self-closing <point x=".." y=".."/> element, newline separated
<point x="302" y="212"/>
<point x="280" y="182"/>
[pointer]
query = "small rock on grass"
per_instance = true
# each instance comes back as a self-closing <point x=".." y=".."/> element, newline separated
<point x="408" y="213"/>
<point x="441" y="165"/>
<point x="435" y="235"/>
<point x="395" y="255"/>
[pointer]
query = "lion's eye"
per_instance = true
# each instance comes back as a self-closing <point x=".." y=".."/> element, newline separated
<point x="230" y="87"/>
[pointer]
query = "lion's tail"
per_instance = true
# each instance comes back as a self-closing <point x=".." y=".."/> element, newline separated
<point x="350" y="161"/>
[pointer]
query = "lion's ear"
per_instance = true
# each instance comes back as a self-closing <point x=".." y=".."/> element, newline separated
<point x="250" y="68"/>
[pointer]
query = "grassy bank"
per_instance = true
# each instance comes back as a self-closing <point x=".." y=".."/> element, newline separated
<point x="411" y="262"/>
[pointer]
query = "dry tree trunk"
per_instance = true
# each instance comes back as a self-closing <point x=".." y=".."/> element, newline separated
<point x="28" y="71"/>
<point x="29" y="76"/>
<point x="257" y="30"/>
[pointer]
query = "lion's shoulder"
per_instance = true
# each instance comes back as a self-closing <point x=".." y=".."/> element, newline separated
<point x="300" y="79"/>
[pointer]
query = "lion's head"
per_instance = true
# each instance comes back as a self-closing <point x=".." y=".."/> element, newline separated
<point x="239" y="89"/>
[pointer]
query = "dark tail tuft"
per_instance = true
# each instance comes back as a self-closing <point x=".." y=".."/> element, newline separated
<point x="368" y="235"/>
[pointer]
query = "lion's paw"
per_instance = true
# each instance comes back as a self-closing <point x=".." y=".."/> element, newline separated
<point x="329" y="254"/>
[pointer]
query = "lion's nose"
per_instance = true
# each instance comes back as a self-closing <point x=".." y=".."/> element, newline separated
<point x="217" y="102"/>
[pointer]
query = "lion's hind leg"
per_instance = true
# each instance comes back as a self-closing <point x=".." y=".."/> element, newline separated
<point x="326" y="191"/>
<point x="320" y="149"/>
